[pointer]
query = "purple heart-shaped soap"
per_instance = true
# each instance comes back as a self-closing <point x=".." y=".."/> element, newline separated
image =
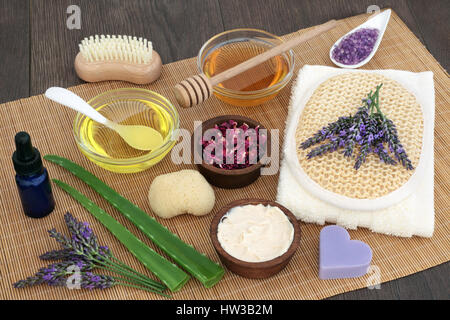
<point x="340" y="257"/>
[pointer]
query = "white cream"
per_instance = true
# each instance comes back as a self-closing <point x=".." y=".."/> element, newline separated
<point x="255" y="233"/>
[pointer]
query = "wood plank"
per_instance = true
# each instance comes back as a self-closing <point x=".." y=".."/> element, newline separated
<point x="285" y="16"/>
<point x="14" y="56"/>
<point x="172" y="26"/>
<point x="432" y="19"/>
<point x="181" y="27"/>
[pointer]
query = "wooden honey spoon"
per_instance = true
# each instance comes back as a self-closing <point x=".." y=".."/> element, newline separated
<point x="198" y="88"/>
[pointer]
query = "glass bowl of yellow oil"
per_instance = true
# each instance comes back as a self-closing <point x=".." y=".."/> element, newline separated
<point x="252" y="87"/>
<point x="128" y="106"/>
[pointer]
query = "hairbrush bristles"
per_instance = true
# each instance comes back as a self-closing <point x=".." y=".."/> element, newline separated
<point x="116" y="48"/>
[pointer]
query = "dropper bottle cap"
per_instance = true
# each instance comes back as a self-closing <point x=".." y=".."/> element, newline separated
<point x="26" y="159"/>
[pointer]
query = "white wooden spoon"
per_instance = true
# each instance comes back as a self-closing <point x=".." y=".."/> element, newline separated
<point x="137" y="136"/>
<point x="380" y="22"/>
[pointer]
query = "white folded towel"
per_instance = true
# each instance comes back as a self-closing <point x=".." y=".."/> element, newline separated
<point x="414" y="215"/>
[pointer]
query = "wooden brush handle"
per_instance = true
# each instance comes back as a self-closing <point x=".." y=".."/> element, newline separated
<point x="118" y="70"/>
<point x="198" y="88"/>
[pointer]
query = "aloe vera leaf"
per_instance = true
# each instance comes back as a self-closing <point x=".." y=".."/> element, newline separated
<point x="197" y="264"/>
<point x="172" y="276"/>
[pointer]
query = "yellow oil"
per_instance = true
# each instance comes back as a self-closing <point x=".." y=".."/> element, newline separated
<point x="107" y="143"/>
<point x="260" y="77"/>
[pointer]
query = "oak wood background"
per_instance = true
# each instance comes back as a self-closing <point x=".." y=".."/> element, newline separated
<point x="37" y="51"/>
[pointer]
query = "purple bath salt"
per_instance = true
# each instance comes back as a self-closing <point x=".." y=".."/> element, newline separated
<point x="356" y="46"/>
<point x="340" y="257"/>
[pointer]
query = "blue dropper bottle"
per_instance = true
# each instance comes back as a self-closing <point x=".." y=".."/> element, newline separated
<point x="32" y="178"/>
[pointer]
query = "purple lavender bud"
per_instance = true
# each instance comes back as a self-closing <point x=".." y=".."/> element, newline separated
<point x="91" y="281"/>
<point x="57" y="255"/>
<point x="362" y="128"/>
<point x="47" y="277"/>
<point x="57" y="282"/>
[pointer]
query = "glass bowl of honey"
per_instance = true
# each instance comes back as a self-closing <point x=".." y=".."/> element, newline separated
<point x="252" y="87"/>
<point x="127" y="106"/>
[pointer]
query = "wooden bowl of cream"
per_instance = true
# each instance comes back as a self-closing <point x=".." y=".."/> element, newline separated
<point x="255" y="238"/>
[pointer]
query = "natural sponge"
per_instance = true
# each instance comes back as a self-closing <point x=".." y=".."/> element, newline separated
<point x="185" y="191"/>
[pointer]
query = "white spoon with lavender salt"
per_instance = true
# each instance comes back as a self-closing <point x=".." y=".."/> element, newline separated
<point x="357" y="47"/>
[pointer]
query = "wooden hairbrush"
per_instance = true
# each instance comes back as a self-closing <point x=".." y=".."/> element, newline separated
<point x="198" y="88"/>
<point x="124" y="58"/>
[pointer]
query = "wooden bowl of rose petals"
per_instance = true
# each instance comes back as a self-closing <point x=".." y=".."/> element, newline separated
<point x="230" y="150"/>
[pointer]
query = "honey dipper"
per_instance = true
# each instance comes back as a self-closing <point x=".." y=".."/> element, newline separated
<point x="198" y="88"/>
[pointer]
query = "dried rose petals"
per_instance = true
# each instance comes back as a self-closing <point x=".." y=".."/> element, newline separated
<point x="239" y="150"/>
<point x="356" y="46"/>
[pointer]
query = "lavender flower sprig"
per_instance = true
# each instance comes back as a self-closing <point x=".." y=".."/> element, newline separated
<point x="325" y="148"/>
<point x="63" y="254"/>
<point x="55" y="273"/>
<point x="391" y="138"/>
<point x="356" y="132"/>
<point x="56" y="277"/>
<point x="89" y="280"/>
<point x="95" y="281"/>
<point x="364" y="151"/>
<point x="82" y="250"/>
<point x="384" y="155"/>
<point x="330" y="130"/>
<point x="368" y="128"/>
<point x="87" y="249"/>
<point x="82" y="235"/>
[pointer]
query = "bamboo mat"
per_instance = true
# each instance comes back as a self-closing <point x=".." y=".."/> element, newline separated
<point x="23" y="239"/>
